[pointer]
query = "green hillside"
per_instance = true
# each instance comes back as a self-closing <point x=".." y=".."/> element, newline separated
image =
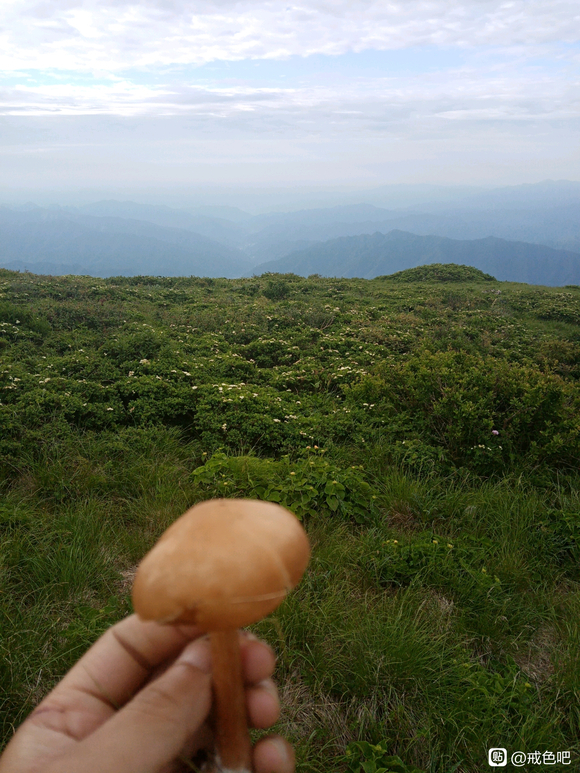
<point x="426" y="429"/>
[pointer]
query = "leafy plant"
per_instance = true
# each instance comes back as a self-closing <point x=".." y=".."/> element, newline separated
<point x="306" y="486"/>
<point x="364" y="757"/>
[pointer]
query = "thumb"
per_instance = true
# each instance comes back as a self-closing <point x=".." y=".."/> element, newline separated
<point x="152" y="729"/>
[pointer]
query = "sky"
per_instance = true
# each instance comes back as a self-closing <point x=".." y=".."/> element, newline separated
<point x="163" y="97"/>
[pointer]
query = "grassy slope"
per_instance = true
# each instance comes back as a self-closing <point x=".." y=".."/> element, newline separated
<point x="440" y="613"/>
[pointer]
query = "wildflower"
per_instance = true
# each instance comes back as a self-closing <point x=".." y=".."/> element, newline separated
<point x="277" y="421"/>
<point x="435" y="541"/>
<point x="131" y="373"/>
<point x="224" y="426"/>
<point x="449" y="545"/>
<point x="494" y="432"/>
<point x="292" y="473"/>
<point x="141" y="362"/>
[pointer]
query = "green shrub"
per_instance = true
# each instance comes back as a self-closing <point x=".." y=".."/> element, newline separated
<point x="364" y="757"/>
<point x="436" y="561"/>
<point x="483" y="413"/>
<point x="307" y="486"/>
<point x="441" y="272"/>
<point x="276" y="289"/>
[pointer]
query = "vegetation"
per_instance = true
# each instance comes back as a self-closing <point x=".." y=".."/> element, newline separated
<point x="426" y="431"/>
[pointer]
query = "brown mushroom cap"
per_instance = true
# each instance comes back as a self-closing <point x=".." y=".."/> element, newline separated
<point x="224" y="564"/>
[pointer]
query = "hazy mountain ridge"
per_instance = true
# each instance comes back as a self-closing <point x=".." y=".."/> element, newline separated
<point x="110" y="246"/>
<point x="124" y="237"/>
<point x="369" y="256"/>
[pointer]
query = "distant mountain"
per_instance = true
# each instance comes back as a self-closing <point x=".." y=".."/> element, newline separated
<point x="369" y="256"/>
<point x="227" y="230"/>
<point x="545" y="194"/>
<point x="234" y="214"/>
<point x="273" y="236"/>
<point x="557" y="227"/>
<point x="57" y="241"/>
<point x="402" y="196"/>
<point x="129" y="237"/>
<point x="350" y="213"/>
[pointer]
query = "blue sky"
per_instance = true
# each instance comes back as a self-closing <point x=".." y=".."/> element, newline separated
<point x="174" y="93"/>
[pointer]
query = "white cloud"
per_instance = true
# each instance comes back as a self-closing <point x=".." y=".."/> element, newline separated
<point x="115" y="34"/>
<point x="99" y="89"/>
<point x="367" y="105"/>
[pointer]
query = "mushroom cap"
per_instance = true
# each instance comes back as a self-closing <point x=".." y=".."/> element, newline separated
<point x="224" y="564"/>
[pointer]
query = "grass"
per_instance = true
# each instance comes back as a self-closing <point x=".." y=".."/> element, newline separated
<point x="439" y="615"/>
<point x="432" y="664"/>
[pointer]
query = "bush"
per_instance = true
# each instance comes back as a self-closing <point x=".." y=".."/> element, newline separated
<point x="483" y="413"/>
<point x="441" y="272"/>
<point x="307" y="486"/>
<point x="276" y="289"/>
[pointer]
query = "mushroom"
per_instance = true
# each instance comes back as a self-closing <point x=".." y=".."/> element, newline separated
<point x="226" y="563"/>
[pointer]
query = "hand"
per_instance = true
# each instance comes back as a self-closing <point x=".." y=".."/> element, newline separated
<point x="138" y="702"/>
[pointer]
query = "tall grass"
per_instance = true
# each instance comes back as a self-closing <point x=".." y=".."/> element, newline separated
<point x="426" y="658"/>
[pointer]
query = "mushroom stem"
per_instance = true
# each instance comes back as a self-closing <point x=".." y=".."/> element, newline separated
<point x="233" y="745"/>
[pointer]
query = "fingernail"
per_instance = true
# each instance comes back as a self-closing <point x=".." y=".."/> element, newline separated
<point x="197" y="654"/>
<point x="269" y="686"/>
<point x="283" y="750"/>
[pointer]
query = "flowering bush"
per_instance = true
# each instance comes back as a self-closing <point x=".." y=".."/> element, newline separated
<point x="482" y="413"/>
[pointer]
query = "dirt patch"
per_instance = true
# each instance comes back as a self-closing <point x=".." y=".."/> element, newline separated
<point x="128" y="576"/>
<point x="402" y="517"/>
<point x="535" y="658"/>
<point x="337" y="722"/>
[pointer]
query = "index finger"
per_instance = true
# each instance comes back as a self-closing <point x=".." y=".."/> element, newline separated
<point x="123" y="658"/>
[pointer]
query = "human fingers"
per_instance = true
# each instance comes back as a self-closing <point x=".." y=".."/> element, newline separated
<point x="262" y="704"/>
<point x="116" y="666"/>
<point x="258" y="659"/>
<point x="154" y="727"/>
<point x="274" y="755"/>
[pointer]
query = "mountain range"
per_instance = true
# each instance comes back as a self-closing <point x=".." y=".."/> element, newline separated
<point x="531" y="232"/>
<point x="378" y="254"/>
